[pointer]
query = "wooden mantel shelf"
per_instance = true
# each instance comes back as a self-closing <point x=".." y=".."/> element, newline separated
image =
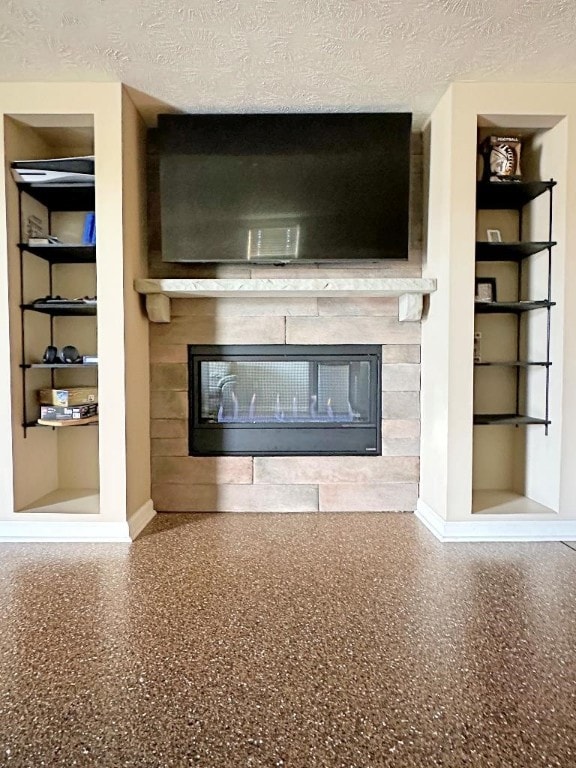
<point x="410" y="291"/>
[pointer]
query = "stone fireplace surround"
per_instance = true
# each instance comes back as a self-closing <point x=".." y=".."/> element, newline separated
<point x="285" y="484"/>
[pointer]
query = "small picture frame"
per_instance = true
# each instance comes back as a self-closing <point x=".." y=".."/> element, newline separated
<point x="493" y="235"/>
<point x="485" y="289"/>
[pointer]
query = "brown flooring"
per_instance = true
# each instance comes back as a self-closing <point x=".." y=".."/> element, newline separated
<point x="344" y="641"/>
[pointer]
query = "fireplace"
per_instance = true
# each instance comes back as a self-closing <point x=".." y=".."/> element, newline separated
<point x="275" y="400"/>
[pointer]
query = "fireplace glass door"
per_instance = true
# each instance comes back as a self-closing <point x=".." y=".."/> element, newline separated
<point x="281" y="400"/>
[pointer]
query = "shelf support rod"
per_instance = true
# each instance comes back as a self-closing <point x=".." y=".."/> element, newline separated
<point x="519" y="324"/>
<point x="548" y="313"/>
<point x="22" y="316"/>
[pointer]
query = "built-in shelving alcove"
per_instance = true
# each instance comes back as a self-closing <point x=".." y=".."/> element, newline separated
<point x="498" y="411"/>
<point x="513" y="362"/>
<point x="88" y="482"/>
<point x="56" y="470"/>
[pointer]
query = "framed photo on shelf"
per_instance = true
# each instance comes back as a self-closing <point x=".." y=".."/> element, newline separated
<point x="485" y="289"/>
<point x="493" y="235"/>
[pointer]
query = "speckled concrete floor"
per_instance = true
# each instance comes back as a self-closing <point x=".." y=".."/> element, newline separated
<point x="342" y="641"/>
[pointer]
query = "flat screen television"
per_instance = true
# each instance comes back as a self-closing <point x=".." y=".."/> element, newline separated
<point x="284" y="188"/>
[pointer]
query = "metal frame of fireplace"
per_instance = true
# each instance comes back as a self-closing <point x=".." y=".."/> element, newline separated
<point x="290" y="438"/>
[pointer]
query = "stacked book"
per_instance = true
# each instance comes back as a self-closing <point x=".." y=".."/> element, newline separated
<point x="68" y="407"/>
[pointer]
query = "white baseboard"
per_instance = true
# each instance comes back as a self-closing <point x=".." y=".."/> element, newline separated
<point x="77" y="530"/>
<point x="140" y="519"/>
<point x="62" y="531"/>
<point x="431" y="520"/>
<point x="495" y="530"/>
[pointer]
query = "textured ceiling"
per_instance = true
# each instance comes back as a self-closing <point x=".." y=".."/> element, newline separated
<point x="296" y="55"/>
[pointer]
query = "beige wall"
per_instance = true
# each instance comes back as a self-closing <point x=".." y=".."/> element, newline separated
<point x="435" y="353"/>
<point x="449" y="327"/>
<point x="40" y="449"/>
<point x="550" y="151"/>
<point x="137" y="385"/>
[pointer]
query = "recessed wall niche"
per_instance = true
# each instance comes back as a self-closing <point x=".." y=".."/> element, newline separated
<point x="515" y="343"/>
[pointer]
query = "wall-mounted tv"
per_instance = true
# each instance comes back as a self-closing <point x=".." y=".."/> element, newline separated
<point x="284" y="188"/>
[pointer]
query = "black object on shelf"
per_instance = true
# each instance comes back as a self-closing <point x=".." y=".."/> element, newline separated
<point x="62" y="253"/>
<point x="62" y="197"/>
<point x="507" y="307"/>
<point x="491" y="195"/>
<point x="505" y="419"/>
<point x="62" y="308"/>
<point x="49" y="299"/>
<point x="509" y="251"/>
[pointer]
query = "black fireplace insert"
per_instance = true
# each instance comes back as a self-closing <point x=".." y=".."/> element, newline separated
<point x="281" y="400"/>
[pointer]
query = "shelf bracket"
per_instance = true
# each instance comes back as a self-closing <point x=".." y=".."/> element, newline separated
<point x="158" y="308"/>
<point x="410" y="306"/>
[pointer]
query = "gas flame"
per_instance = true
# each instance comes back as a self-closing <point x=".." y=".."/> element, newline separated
<point x="313" y="406"/>
<point x="236" y="407"/>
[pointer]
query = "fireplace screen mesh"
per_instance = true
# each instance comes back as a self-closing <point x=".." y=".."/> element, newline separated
<point x="284" y="391"/>
<point x="284" y="400"/>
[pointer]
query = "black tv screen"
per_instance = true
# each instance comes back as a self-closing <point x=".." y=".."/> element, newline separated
<point x="284" y="188"/>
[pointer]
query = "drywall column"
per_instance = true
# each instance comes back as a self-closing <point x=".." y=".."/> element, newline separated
<point x="447" y="333"/>
<point x="6" y="461"/>
<point x="137" y="364"/>
<point x="110" y="280"/>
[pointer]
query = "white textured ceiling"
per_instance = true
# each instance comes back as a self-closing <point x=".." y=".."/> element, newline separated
<point x="295" y="55"/>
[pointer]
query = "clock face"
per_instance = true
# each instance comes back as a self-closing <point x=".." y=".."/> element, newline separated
<point x="502" y="160"/>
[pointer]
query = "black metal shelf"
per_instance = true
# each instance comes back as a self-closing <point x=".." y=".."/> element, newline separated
<point x="62" y="253"/>
<point x="29" y="424"/>
<point x="510" y="251"/>
<point x="59" y="365"/>
<point x="513" y="195"/>
<point x="55" y="197"/>
<point x="62" y="197"/>
<point x="62" y="310"/>
<point x="510" y="307"/>
<point x="506" y="419"/>
<point x="514" y="364"/>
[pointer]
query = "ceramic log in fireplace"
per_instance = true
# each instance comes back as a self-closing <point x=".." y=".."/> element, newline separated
<point x="276" y="400"/>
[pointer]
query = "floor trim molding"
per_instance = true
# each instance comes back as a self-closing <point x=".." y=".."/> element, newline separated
<point x="494" y="530"/>
<point x="140" y="519"/>
<point x="59" y="531"/>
